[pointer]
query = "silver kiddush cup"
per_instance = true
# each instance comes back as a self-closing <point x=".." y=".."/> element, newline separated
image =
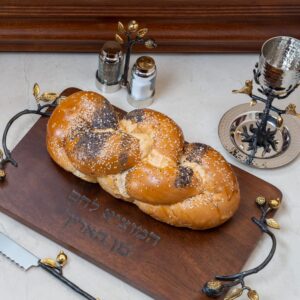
<point x="142" y="83"/>
<point x="109" y="71"/>
<point x="279" y="64"/>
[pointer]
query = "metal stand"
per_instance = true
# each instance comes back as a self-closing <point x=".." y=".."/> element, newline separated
<point x="133" y="37"/>
<point x="260" y="136"/>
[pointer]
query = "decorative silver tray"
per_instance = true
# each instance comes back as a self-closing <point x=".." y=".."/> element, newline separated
<point x="287" y="136"/>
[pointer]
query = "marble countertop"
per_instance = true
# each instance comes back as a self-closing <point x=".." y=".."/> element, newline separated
<point x="195" y="90"/>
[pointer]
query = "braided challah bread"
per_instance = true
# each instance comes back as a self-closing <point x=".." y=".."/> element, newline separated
<point x="142" y="158"/>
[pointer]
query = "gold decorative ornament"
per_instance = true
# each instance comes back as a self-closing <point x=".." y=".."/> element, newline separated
<point x="272" y="223"/>
<point x="260" y="200"/>
<point x="36" y="90"/>
<point x="246" y="89"/>
<point x="119" y="39"/>
<point x="48" y="97"/>
<point x="253" y="295"/>
<point x="133" y="26"/>
<point x="279" y="121"/>
<point x="234" y="294"/>
<point x="253" y="103"/>
<point x="291" y="110"/>
<point x="62" y="258"/>
<point x="45" y="97"/>
<point x="274" y="203"/>
<point x="214" y="288"/>
<point x="121" y="28"/>
<point x="49" y="262"/>
<point x="2" y="174"/>
<point x="142" y="32"/>
<point x="214" y="284"/>
<point x="150" y="44"/>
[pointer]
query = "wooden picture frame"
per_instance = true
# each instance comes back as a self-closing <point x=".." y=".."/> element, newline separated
<point x="177" y="25"/>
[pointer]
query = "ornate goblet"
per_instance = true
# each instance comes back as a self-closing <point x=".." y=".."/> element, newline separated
<point x="265" y="134"/>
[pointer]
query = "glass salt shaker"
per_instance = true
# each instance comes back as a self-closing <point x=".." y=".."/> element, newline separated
<point x="142" y="83"/>
<point x="109" y="71"/>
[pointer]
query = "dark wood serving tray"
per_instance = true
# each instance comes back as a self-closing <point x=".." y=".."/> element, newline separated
<point x="162" y="261"/>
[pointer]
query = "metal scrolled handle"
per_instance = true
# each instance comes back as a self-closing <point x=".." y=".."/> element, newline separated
<point x="6" y="155"/>
<point x="221" y="284"/>
<point x="55" y="268"/>
<point x="57" y="273"/>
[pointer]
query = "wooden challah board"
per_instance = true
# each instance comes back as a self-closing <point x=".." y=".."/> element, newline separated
<point x="162" y="261"/>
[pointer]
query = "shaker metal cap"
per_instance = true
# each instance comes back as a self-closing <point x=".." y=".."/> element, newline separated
<point x="145" y="65"/>
<point x="111" y="51"/>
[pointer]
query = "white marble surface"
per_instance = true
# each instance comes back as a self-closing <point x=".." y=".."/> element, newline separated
<point x="195" y="90"/>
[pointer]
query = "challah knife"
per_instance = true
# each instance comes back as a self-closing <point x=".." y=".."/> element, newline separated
<point x="25" y="260"/>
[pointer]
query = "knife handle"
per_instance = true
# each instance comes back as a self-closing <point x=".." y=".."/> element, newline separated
<point x="58" y="274"/>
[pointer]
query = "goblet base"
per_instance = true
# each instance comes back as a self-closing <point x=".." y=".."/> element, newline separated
<point x="276" y="147"/>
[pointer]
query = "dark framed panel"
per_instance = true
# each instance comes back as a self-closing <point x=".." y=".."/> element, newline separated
<point x="177" y="25"/>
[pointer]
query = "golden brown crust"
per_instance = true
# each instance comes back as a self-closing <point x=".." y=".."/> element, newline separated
<point x="203" y="211"/>
<point x="167" y="185"/>
<point x="79" y="111"/>
<point x="142" y="158"/>
<point x="166" y="135"/>
<point x="103" y="153"/>
<point x="218" y="201"/>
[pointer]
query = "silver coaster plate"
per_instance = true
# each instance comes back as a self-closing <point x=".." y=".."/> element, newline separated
<point x="287" y="136"/>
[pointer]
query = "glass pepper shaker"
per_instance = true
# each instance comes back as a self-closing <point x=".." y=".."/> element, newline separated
<point x="141" y="88"/>
<point x="109" y="71"/>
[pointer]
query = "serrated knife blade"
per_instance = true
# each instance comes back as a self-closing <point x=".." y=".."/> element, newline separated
<point x="25" y="259"/>
<point x="17" y="254"/>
